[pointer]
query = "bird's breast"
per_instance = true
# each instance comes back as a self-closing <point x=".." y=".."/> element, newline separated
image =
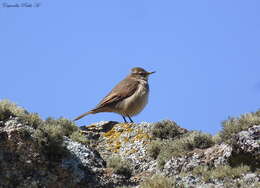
<point x="134" y="104"/>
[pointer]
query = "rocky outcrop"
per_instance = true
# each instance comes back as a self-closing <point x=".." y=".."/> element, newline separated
<point x="49" y="153"/>
<point x="23" y="164"/>
<point x="130" y="141"/>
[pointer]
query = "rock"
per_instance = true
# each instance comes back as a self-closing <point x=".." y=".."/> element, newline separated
<point x="248" y="141"/>
<point x="213" y="156"/>
<point x="83" y="161"/>
<point x="23" y="165"/>
<point x="24" y="162"/>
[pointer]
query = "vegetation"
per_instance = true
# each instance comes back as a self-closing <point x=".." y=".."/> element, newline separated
<point x="220" y="172"/>
<point x="168" y="140"/>
<point x="154" y="148"/>
<point x="9" y="109"/>
<point x="78" y="136"/>
<point x="235" y="125"/>
<point x="48" y="134"/>
<point x="157" y="181"/>
<point x="163" y="150"/>
<point x="167" y="130"/>
<point x="119" y="166"/>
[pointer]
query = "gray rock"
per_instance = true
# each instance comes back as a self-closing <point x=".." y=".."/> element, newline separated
<point x="83" y="161"/>
<point x="248" y="141"/>
<point x="214" y="156"/>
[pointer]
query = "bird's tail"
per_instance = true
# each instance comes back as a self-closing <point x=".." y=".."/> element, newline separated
<point x="83" y="115"/>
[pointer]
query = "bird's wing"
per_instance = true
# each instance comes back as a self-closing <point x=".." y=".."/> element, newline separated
<point x="122" y="90"/>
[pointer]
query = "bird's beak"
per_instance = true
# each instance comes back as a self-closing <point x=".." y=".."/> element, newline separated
<point x="151" y="72"/>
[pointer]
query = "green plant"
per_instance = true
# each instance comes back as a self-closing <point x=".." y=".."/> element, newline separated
<point x="78" y="136"/>
<point x="167" y="129"/>
<point x="49" y="137"/>
<point x="220" y="172"/>
<point x="64" y="126"/>
<point x="154" y="148"/>
<point x="9" y="109"/>
<point x="119" y="166"/>
<point x="31" y="119"/>
<point x="158" y="181"/>
<point x="233" y="125"/>
<point x="202" y="140"/>
<point x="50" y="142"/>
<point x="182" y="145"/>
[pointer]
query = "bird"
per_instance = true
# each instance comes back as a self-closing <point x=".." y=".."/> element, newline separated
<point x="128" y="98"/>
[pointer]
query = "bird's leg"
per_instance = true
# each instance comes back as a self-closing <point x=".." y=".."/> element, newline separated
<point x="124" y="119"/>
<point x="130" y="119"/>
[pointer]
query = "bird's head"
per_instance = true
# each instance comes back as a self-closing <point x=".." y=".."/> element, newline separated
<point x="139" y="72"/>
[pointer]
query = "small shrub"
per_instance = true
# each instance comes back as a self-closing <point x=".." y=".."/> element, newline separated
<point x="49" y="137"/>
<point x="220" y="172"/>
<point x="226" y="171"/>
<point x="202" y="141"/>
<point x="62" y="125"/>
<point x="120" y="166"/>
<point x="154" y="148"/>
<point x="24" y="133"/>
<point x="216" y="138"/>
<point x="232" y="126"/>
<point x="184" y="144"/>
<point x="158" y="181"/>
<point x="32" y="119"/>
<point x="50" y="142"/>
<point x="9" y="109"/>
<point x="78" y="136"/>
<point x="167" y="129"/>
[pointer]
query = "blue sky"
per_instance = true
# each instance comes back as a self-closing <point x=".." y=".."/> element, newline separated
<point x="62" y="58"/>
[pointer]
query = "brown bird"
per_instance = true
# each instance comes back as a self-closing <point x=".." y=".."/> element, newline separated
<point x="128" y="98"/>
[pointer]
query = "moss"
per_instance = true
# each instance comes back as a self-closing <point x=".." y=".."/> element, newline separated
<point x="158" y="181"/>
<point x="233" y="125"/>
<point x="120" y="166"/>
<point x="167" y="129"/>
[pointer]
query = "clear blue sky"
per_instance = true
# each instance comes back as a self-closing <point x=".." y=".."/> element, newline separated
<point x="62" y="58"/>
